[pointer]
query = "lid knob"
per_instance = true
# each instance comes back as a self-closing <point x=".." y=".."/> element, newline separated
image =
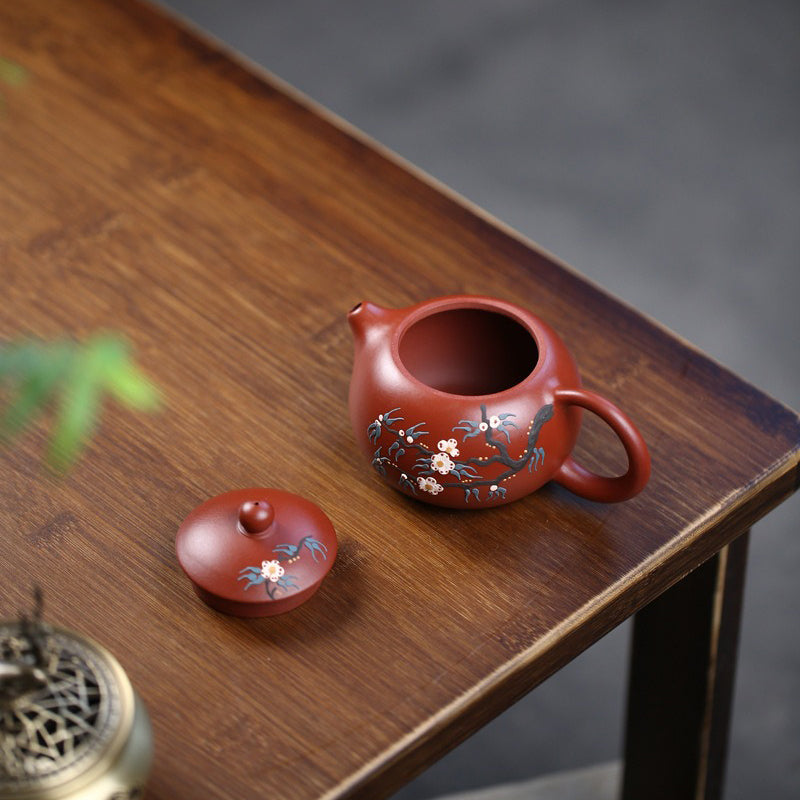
<point x="255" y="516"/>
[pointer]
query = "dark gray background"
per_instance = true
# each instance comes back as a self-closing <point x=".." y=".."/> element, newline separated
<point x="654" y="146"/>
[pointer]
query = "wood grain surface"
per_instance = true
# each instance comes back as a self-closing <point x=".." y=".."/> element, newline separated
<point x="154" y="185"/>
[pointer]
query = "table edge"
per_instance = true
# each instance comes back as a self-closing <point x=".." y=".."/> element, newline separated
<point x="651" y="579"/>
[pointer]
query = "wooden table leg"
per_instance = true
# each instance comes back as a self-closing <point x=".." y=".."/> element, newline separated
<point x="681" y="683"/>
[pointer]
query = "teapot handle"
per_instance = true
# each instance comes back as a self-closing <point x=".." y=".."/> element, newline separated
<point x="583" y="482"/>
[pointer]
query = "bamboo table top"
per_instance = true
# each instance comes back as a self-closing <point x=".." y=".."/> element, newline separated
<point x="152" y="184"/>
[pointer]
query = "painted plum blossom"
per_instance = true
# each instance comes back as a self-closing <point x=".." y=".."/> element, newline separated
<point x="467" y="474"/>
<point x="442" y="463"/>
<point x="430" y="485"/>
<point x="449" y="446"/>
<point x="272" y="570"/>
<point x="272" y="574"/>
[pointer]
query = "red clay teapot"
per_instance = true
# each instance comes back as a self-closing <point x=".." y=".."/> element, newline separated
<point x="468" y="402"/>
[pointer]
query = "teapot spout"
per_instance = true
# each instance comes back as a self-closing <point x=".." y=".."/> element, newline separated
<point x="365" y="318"/>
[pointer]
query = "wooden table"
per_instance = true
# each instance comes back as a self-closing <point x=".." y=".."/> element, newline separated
<point x="151" y="183"/>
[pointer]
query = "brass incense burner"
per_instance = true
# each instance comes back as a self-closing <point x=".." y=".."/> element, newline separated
<point x="71" y="725"/>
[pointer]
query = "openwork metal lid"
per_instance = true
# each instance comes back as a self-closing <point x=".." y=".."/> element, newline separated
<point x="66" y="711"/>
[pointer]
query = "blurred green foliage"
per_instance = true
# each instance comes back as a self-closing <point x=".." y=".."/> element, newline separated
<point x="74" y="377"/>
<point x="12" y="73"/>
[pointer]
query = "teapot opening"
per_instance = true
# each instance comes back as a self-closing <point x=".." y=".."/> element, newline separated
<point x="468" y="351"/>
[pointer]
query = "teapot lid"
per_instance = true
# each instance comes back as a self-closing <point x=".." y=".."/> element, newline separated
<point x="256" y="552"/>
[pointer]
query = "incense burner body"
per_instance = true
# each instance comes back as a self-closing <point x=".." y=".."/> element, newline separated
<point x="72" y="727"/>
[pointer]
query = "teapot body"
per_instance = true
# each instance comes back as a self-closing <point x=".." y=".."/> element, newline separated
<point x="455" y="401"/>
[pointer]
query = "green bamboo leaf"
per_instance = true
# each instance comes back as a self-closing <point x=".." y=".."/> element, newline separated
<point x="120" y="376"/>
<point x="12" y="73"/>
<point x="79" y="376"/>
<point x="132" y="388"/>
<point x="77" y="413"/>
<point x="33" y="394"/>
<point x="36" y="368"/>
<point x="103" y="354"/>
<point x="19" y="359"/>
